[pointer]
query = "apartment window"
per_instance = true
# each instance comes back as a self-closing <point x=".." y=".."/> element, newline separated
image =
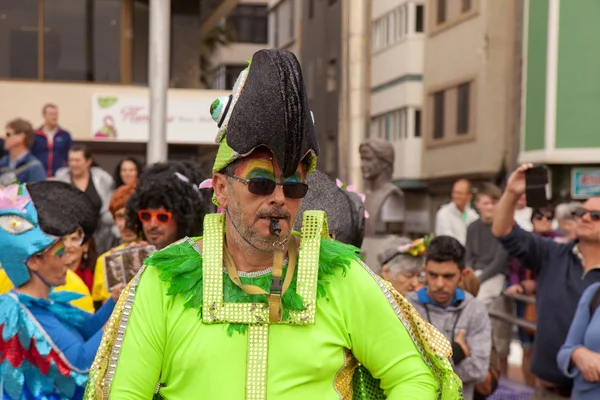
<point x="311" y="9"/>
<point x="91" y="40"/>
<point x="417" y="123"/>
<point x="331" y="76"/>
<point x="19" y="44"/>
<point x="419" y="18"/>
<point x="438" y="115"/>
<point x="226" y="75"/>
<point x="441" y="11"/>
<point x="466" y="5"/>
<point x="390" y="28"/>
<point x="463" y="109"/>
<point x="250" y="23"/>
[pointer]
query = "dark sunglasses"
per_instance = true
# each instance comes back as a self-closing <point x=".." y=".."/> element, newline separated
<point x="580" y="213"/>
<point x="540" y="216"/>
<point x="163" y="217"/>
<point x="266" y="186"/>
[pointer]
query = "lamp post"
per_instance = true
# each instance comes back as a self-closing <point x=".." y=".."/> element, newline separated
<point x="158" y="73"/>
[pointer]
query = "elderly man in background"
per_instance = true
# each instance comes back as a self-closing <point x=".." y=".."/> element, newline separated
<point x="454" y="218"/>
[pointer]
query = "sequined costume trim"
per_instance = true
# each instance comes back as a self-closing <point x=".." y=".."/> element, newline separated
<point x="45" y="334"/>
<point x="103" y="369"/>
<point x="435" y="349"/>
<point x="343" y="379"/>
<point x="256" y="315"/>
<point x="214" y="307"/>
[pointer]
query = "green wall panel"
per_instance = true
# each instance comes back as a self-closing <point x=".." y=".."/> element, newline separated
<point x="578" y="90"/>
<point x="537" y="32"/>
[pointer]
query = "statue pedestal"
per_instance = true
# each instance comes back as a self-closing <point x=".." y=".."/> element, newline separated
<point x="386" y="217"/>
<point x="371" y="247"/>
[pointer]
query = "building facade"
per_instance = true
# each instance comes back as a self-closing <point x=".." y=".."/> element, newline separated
<point x="471" y="81"/>
<point x="396" y="95"/>
<point x="560" y="96"/>
<point x="88" y="56"/>
<point x="285" y="25"/>
<point x="247" y="28"/>
<point x="321" y="28"/>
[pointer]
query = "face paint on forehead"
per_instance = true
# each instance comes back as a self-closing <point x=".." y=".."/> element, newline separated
<point x="255" y="168"/>
<point x="57" y="250"/>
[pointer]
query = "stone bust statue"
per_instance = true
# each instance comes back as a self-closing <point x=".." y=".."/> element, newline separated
<point x="385" y="201"/>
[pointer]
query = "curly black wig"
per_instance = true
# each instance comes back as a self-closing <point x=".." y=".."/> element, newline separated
<point x="174" y="186"/>
<point x="62" y="209"/>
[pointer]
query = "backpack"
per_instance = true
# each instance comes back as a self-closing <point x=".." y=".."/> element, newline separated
<point x="595" y="302"/>
<point x="8" y="175"/>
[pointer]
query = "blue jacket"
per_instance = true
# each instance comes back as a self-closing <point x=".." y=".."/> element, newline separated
<point x="34" y="173"/>
<point x="584" y="332"/>
<point x="55" y="156"/>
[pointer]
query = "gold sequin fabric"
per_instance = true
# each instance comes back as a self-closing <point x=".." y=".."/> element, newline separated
<point x="435" y="349"/>
<point x="343" y="379"/>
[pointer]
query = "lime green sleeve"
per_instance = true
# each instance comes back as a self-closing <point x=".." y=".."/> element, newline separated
<point x="139" y="366"/>
<point x="380" y="340"/>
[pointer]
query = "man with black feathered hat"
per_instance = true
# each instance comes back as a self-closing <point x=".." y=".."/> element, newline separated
<point x="47" y="345"/>
<point x="253" y="310"/>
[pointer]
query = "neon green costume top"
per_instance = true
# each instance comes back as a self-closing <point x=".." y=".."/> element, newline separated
<point x="346" y="334"/>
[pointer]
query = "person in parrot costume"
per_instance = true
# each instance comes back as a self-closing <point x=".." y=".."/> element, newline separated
<point x="46" y="344"/>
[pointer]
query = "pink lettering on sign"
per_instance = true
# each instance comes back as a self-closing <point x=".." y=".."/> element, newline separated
<point x="136" y="115"/>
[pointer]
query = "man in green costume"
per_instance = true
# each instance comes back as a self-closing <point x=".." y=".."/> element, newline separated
<point x="253" y="310"/>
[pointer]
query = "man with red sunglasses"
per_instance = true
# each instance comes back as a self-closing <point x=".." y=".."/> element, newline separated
<point x="167" y="204"/>
<point x="253" y="310"/>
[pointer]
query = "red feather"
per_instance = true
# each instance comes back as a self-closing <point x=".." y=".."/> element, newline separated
<point x="13" y="351"/>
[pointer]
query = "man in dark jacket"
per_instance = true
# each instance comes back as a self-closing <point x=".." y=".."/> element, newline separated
<point x="52" y="143"/>
<point x="19" y="164"/>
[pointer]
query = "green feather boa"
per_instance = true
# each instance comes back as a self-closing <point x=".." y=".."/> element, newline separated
<point x="180" y="267"/>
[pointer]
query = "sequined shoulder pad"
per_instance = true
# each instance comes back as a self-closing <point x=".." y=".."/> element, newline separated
<point x="107" y="357"/>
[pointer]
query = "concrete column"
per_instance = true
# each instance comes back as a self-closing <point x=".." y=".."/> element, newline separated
<point x="355" y="86"/>
<point x="158" y="77"/>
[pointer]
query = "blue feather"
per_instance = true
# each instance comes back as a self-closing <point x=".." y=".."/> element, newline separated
<point x="12" y="380"/>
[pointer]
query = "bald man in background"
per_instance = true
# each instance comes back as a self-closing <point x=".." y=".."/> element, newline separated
<point x="452" y="219"/>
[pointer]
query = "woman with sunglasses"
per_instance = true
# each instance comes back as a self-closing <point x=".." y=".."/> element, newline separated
<point x="47" y="345"/>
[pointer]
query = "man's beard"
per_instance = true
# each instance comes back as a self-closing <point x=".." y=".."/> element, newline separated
<point x="247" y="231"/>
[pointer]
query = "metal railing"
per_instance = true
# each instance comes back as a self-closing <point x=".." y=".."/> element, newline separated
<point x="512" y="318"/>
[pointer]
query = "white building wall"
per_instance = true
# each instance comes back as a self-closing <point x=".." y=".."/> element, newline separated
<point x="396" y="81"/>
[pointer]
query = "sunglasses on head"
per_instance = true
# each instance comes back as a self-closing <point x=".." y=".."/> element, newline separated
<point x="580" y="213"/>
<point x="266" y="186"/>
<point x="162" y="217"/>
<point x="540" y="216"/>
